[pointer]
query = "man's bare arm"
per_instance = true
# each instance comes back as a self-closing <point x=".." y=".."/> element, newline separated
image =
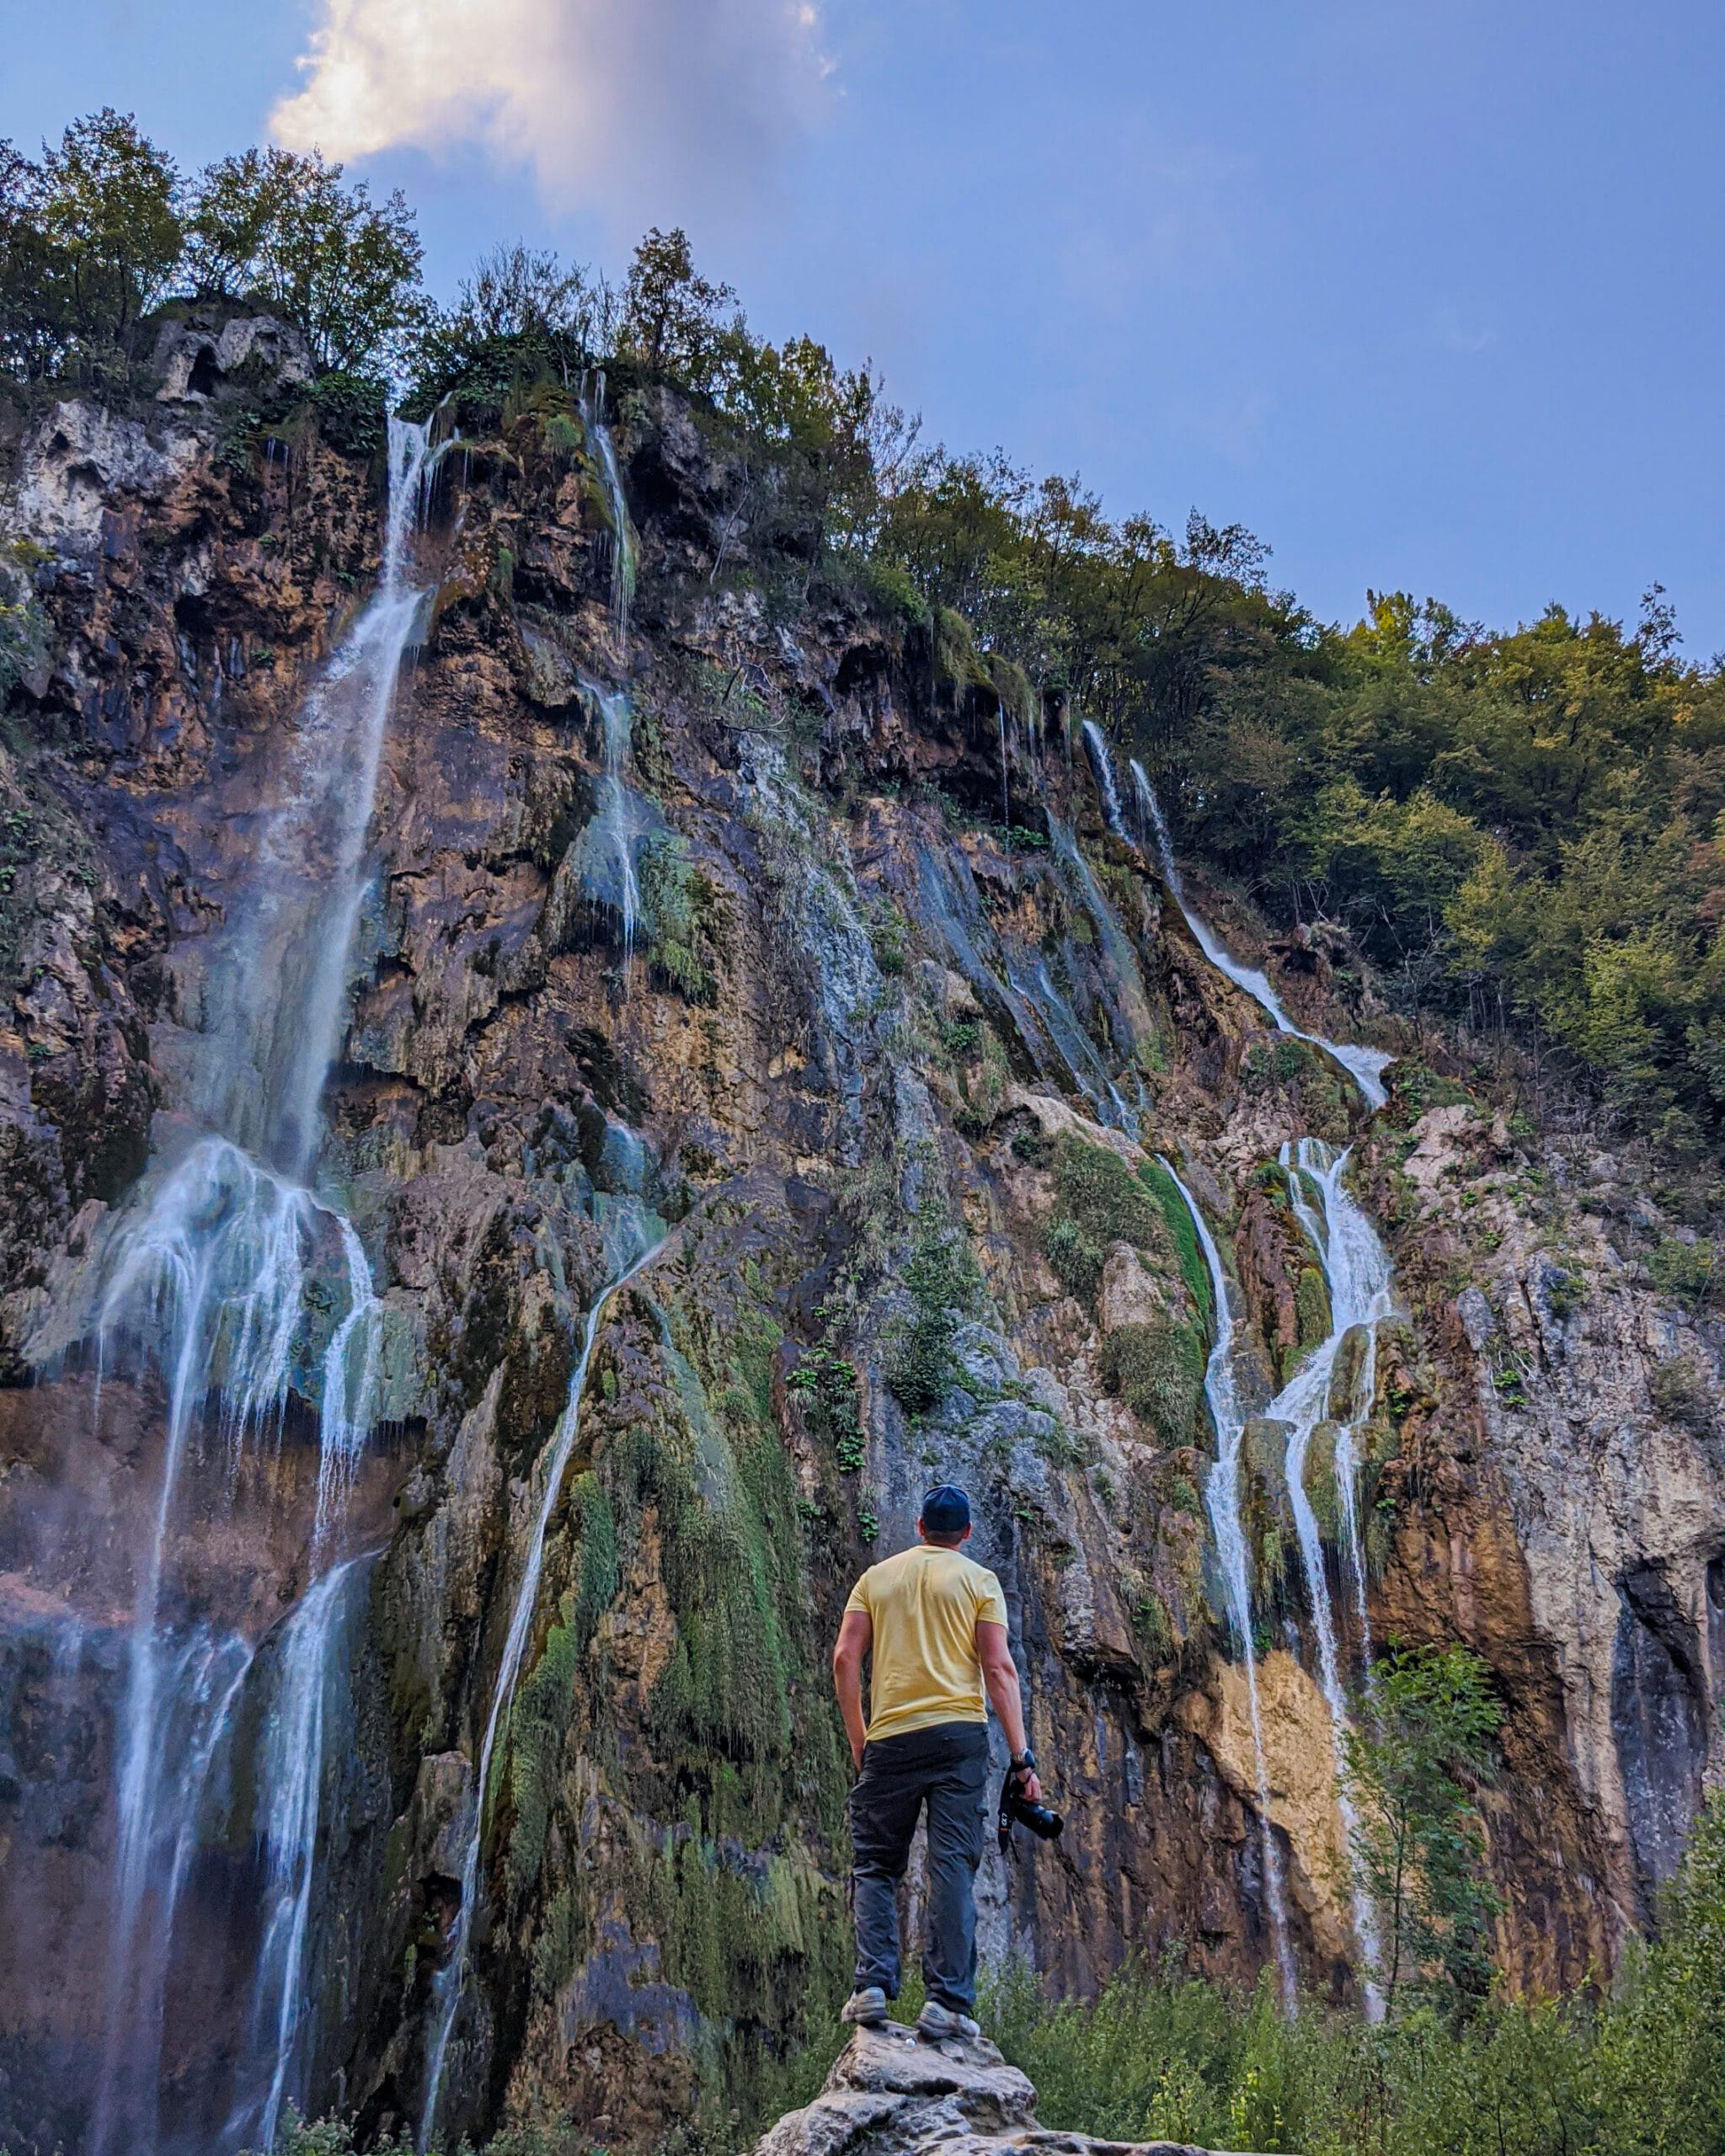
<point x="1000" y="1673"/>
<point x="856" y="1636"/>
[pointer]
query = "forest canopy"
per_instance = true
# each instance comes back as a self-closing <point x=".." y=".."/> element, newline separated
<point x="1520" y="828"/>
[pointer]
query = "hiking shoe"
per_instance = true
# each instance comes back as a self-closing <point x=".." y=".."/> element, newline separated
<point x="936" y="2021"/>
<point x="866" y="2008"/>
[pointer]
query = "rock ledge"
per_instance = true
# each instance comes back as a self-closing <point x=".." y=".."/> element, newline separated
<point x="891" y="2093"/>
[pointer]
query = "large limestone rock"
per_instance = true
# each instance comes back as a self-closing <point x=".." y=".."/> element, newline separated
<point x="892" y="2094"/>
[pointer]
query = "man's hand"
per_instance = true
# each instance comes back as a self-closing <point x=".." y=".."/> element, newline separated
<point x="1028" y="1787"/>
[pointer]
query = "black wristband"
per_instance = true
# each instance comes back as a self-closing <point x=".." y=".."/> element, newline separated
<point x="1024" y="1761"/>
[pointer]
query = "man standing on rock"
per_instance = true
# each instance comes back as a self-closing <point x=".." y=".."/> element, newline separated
<point x="937" y="1625"/>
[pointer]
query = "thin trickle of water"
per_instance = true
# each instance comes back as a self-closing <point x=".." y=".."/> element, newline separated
<point x="1102" y="765"/>
<point x="1221" y="1492"/>
<point x="1365" y="1065"/>
<point x="615" y="813"/>
<point x="1357" y="1268"/>
<point x="1017" y="984"/>
<point x="1129" y="1012"/>
<point x="622" y="533"/>
<point x="291" y="1784"/>
<point x="633" y="1247"/>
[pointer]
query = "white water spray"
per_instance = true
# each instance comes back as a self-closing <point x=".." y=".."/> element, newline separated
<point x="1357" y="1268"/>
<point x="622" y="533"/>
<point x="1221" y="1493"/>
<point x="630" y="1251"/>
<point x="291" y="1783"/>
<point x="1102" y="765"/>
<point x="1365" y="1065"/>
<point x="219" y="1272"/>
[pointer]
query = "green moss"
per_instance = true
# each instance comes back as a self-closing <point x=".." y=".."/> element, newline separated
<point x="1158" y="1370"/>
<point x="678" y="904"/>
<point x="1012" y="686"/>
<point x="1312" y="1307"/>
<point x="957" y="662"/>
<point x="1176" y="1218"/>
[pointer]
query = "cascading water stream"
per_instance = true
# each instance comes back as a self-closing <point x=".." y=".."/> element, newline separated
<point x="290" y="1780"/>
<point x="1221" y="1497"/>
<point x="631" y="1249"/>
<point x="216" y="1272"/>
<point x="614" y="814"/>
<point x="1356" y="1269"/>
<point x="1365" y="1065"/>
<point x="623" y="535"/>
<point x="1221" y="1492"/>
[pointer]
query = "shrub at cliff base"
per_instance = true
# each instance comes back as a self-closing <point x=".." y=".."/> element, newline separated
<point x="1641" y="2072"/>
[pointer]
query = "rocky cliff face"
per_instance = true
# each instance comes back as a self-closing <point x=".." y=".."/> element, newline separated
<point x="759" y="916"/>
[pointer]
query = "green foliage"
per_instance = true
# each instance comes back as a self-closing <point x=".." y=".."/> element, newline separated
<point x="23" y="627"/>
<point x="827" y="1385"/>
<point x="279" y="229"/>
<point x="1641" y="2072"/>
<point x="1158" y="1370"/>
<point x="676" y="903"/>
<point x="1420" y="1846"/>
<point x="1688" y="1271"/>
<point x="1182" y="1232"/>
<point x="1099" y="1201"/>
<point x="351" y="409"/>
<point x="522" y="316"/>
<point x="676" y="323"/>
<point x="942" y="1280"/>
<point x="89" y="238"/>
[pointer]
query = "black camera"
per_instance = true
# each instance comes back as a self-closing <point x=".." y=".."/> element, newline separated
<point x="1044" y="1825"/>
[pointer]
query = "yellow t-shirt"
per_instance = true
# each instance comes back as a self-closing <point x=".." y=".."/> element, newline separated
<point x="925" y="1605"/>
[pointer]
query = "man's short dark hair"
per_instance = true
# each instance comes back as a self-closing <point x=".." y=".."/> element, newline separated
<point x="946" y="1513"/>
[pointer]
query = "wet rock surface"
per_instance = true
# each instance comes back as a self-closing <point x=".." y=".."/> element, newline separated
<point x="874" y="1069"/>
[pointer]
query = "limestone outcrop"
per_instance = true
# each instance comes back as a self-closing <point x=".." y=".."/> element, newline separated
<point x="893" y="2094"/>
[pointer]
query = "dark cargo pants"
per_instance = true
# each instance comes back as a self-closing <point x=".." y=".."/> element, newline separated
<point x="945" y="1767"/>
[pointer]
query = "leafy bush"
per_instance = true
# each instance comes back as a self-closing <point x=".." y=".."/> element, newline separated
<point x="941" y="1279"/>
<point x="1639" y="2073"/>
<point x="827" y="1385"/>
<point x="1158" y="1370"/>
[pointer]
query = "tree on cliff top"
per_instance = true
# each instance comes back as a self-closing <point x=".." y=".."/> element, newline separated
<point x="89" y="240"/>
<point x="676" y="323"/>
<point x="1419" y="1845"/>
<point x="282" y="231"/>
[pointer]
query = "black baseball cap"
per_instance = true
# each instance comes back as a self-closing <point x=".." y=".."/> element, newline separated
<point x="946" y="1510"/>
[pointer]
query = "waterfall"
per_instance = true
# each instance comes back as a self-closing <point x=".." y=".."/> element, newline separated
<point x="1015" y="982"/>
<point x="1103" y="766"/>
<point x="630" y="1247"/>
<point x="1221" y="1493"/>
<point x="614" y="814"/>
<point x="602" y="867"/>
<point x="1365" y="1065"/>
<point x="623" y="535"/>
<point x="1357" y="1268"/>
<point x="223" y="1271"/>
<point x="290" y="1781"/>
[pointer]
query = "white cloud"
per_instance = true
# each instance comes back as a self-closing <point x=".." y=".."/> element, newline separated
<point x="642" y="109"/>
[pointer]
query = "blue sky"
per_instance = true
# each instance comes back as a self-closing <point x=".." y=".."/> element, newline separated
<point x="1430" y="297"/>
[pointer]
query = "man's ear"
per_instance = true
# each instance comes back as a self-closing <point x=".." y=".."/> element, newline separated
<point x="922" y="1532"/>
<point x="966" y="1536"/>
